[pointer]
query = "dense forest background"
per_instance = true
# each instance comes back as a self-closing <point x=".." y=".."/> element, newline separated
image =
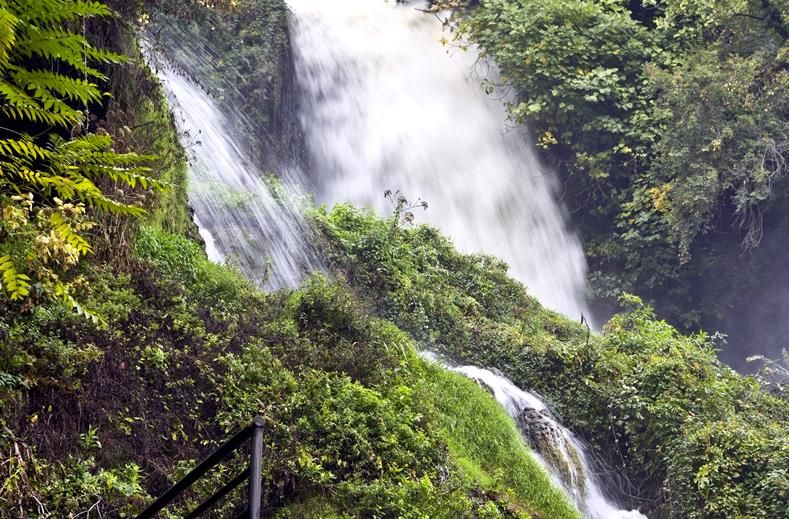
<point x="125" y="355"/>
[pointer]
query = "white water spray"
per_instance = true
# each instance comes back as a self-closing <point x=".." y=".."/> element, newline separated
<point x="384" y="106"/>
<point x="556" y="448"/>
<point x="241" y="219"/>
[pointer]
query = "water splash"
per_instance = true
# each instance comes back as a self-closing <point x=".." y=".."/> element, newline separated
<point x="556" y="448"/>
<point x="384" y="106"/>
<point x="242" y="219"/>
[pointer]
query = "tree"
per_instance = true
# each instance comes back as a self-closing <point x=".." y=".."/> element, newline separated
<point x="726" y="142"/>
<point x="578" y="67"/>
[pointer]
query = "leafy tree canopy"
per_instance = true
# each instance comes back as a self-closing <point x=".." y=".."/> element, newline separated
<point x="669" y="117"/>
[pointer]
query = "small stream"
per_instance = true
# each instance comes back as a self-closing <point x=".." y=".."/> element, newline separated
<point x="563" y="455"/>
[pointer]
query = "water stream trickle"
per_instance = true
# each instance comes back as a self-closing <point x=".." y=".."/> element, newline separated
<point x="385" y="106"/>
<point x="556" y="448"/>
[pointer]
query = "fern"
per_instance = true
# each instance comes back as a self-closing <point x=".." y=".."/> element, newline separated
<point x="60" y="291"/>
<point x="71" y="49"/>
<point x="15" y="284"/>
<point x="24" y="147"/>
<point x="63" y="229"/>
<point x="8" y="23"/>
<point x="55" y="12"/>
<point x="47" y="182"/>
<point x="44" y="82"/>
<point x="39" y="115"/>
<point x="38" y="29"/>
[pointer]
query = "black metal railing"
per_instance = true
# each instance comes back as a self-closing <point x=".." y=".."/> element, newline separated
<point x="251" y="473"/>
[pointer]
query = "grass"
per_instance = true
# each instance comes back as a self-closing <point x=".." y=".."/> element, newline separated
<point x="488" y="448"/>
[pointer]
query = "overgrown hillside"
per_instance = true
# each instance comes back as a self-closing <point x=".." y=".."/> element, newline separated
<point x="148" y="355"/>
<point x="694" y="438"/>
<point x="158" y="355"/>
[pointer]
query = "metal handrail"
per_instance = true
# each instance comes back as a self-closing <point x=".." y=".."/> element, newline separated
<point x="253" y="473"/>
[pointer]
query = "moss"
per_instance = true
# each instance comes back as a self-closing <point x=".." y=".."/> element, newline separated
<point x="153" y="132"/>
<point x="172" y="208"/>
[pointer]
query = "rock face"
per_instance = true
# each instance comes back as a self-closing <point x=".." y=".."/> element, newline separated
<point x="242" y="60"/>
<point x="553" y="444"/>
<point x="286" y="128"/>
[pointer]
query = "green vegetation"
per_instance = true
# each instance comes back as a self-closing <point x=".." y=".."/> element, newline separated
<point x="99" y="418"/>
<point x="488" y="447"/>
<point x="51" y="162"/>
<point x="191" y="350"/>
<point x="670" y="121"/>
<point x="652" y="401"/>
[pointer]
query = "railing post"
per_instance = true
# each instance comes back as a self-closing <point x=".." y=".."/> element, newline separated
<point x="255" y="468"/>
<point x="207" y="464"/>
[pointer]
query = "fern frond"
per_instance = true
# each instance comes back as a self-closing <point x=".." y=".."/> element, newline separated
<point x="41" y="32"/>
<point x="91" y="142"/>
<point x="110" y="206"/>
<point x="16" y="97"/>
<point x="25" y="148"/>
<point x="15" y="284"/>
<point x="131" y="177"/>
<point x="56" y="45"/>
<point x="61" y="292"/>
<point x="81" y="189"/>
<point x="57" y="106"/>
<point x="104" y="56"/>
<point x="8" y="23"/>
<point x="34" y="178"/>
<point x="64" y="231"/>
<point x="18" y="105"/>
<point x="10" y="169"/>
<point x="89" y="157"/>
<point x="53" y="12"/>
<point x="42" y="82"/>
<point x="39" y="115"/>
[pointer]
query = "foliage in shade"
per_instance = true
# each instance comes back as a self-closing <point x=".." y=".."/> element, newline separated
<point x="357" y="424"/>
<point x="669" y="120"/>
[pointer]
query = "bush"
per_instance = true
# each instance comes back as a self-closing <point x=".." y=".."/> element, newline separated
<point x="650" y="400"/>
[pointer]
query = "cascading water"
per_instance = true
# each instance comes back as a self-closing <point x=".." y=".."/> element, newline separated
<point x="384" y="106"/>
<point x="242" y="219"/>
<point x="555" y="447"/>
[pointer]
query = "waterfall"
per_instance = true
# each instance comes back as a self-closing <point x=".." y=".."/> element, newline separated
<point x="385" y="106"/>
<point x="244" y="217"/>
<point x="556" y="448"/>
